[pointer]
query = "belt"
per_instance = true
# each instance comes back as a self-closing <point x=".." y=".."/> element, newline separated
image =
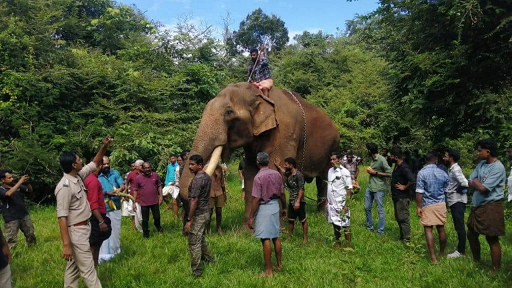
<point x="85" y="222"/>
<point x="274" y="197"/>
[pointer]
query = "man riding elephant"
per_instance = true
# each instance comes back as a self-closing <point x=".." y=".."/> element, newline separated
<point x="259" y="71"/>
<point x="288" y="126"/>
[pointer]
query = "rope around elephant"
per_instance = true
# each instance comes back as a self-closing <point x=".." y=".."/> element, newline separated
<point x="303" y="163"/>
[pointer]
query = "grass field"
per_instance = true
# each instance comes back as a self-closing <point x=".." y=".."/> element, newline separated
<point x="163" y="260"/>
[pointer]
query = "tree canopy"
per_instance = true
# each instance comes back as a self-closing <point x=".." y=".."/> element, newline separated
<point x="75" y="71"/>
<point x="450" y="61"/>
<point x="259" y="28"/>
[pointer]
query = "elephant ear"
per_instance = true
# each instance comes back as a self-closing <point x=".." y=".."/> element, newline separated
<point x="264" y="117"/>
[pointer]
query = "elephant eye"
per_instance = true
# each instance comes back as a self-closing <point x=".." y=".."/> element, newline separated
<point x="229" y="113"/>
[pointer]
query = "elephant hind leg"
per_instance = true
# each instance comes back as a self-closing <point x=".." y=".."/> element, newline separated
<point x="321" y="187"/>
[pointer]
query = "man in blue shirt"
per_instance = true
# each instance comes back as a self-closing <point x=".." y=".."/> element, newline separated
<point x="111" y="183"/>
<point x="170" y="179"/>
<point x="430" y="206"/>
<point x="487" y="215"/>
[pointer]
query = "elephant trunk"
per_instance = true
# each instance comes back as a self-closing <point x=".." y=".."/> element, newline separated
<point x="211" y="138"/>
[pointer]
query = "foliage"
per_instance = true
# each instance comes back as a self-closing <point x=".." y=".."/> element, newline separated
<point x="346" y="81"/>
<point x="259" y="28"/>
<point x="413" y="73"/>
<point x="76" y="71"/>
<point x="449" y="62"/>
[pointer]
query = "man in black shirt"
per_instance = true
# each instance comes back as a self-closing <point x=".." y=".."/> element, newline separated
<point x="15" y="213"/>
<point x="5" y="260"/>
<point x="198" y="215"/>
<point x="294" y="182"/>
<point x="401" y="181"/>
<point x="385" y="154"/>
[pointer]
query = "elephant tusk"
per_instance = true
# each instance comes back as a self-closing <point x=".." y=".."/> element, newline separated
<point x="214" y="160"/>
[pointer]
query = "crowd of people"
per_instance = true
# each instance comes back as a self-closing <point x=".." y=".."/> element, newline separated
<point x="438" y="186"/>
<point x="91" y="200"/>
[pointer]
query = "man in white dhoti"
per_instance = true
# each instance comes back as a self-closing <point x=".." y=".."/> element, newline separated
<point x="111" y="183"/>
<point x="136" y="215"/>
<point x="339" y="191"/>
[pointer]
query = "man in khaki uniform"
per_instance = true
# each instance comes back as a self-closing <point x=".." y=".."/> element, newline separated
<point x="73" y="212"/>
<point x="217" y="198"/>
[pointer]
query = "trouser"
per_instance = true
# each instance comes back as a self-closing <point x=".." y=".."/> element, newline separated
<point x="457" y="211"/>
<point x="402" y="218"/>
<point x="5" y="277"/>
<point x="26" y="226"/>
<point x="368" y="203"/>
<point x="155" y="210"/>
<point x="82" y="263"/>
<point x="337" y="232"/>
<point x="197" y="245"/>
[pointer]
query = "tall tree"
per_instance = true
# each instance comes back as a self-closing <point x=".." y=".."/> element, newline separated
<point x="259" y="28"/>
<point x="450" y="61"/>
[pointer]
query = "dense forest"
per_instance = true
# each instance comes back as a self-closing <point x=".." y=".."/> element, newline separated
<point x="420" y="74"/>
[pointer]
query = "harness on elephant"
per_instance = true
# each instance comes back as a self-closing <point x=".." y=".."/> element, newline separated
<point x="303" y="161"/>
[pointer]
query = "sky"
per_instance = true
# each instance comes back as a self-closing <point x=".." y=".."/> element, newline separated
<point x="298" y="15"/>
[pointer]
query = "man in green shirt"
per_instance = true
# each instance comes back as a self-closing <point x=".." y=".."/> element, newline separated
<point x="379" y="171"/>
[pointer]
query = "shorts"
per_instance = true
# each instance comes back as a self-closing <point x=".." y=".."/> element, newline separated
<point x="300" y="213"/>
<point x="488" y="219"/>
<point x="98" y="236"/>
<point x="434" y="215"/>
<point x="217" y="202"/>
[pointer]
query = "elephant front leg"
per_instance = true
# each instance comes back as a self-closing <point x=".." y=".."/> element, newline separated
<point x="249" y="173"/>
<point x="321" y="187"/>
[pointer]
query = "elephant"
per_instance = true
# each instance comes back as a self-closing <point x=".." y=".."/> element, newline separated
<point x="283" y="125"/>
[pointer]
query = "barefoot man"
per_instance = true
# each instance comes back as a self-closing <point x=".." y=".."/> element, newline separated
<point x="430" y="203"/>
<point x="267" y="190"/>
<point x="339" y="190"/>
<point x="294" y="182"/>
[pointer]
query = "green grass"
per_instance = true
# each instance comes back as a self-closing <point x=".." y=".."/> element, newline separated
<point x="163" y="260"/>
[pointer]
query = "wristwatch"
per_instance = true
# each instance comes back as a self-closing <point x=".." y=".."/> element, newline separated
<point x="188" y="219"/>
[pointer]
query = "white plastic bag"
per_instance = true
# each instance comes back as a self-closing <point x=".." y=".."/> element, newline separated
<point x="127" y="208"/>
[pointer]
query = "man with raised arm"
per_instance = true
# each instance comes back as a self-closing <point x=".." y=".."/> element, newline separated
<point x="73" y="212"/>
<point x="294" y="182"/>
<point x="259" y="71"/>
<point x="15" y="213"/>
